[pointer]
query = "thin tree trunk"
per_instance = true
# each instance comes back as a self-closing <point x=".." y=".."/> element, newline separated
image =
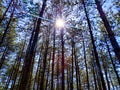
<point x="111" y="82"/>
<point x="37" y="75"/>
<point x="76" y="68"/>
<point x="94" y="48"/>
<point x="44" y="65"/>
<point x="48" y="73"/>
<point x="94" y="76"/>
<point x="72" y="70"/>
<point x="62" y="62"/>
<point x="58" y="70"/>
<point x="2" y="60"/>
<point x="114" y="67"/>
<point x="17" y="67"/>
<point x="68" y="85"/>
<point x="7" y="27"/>
<point x="109" y="30"/>
<point x="53" y="58"/>
<point x="106" y="76"/>
<point x="88" y="86"/>
<point x="79" y="78"/>
<point x="2" y="18"/>
<point x="10" y="76"/>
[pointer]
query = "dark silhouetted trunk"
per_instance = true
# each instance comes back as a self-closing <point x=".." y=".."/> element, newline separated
<point x="57" y="67"/>
<point x="2" y="60"/>
<point x="10" y="75"/>
<point x="94" y="49"/>
<point x="37" y="75"/>
<point x="4" y="14"/>
<point x="111" y="82"/>
<point x="106" y="75"/>
<point x="28" y="61"/>
<point x="114" y="67"/>
<point x="109" y="30"/>
<point x="17" y="66"/>
<point x="72" y="70"/>
<point x="68" y="80"/>
<point x="48" y="71"/>
<point x="62" y="62"/>
<point x="53" y="58"/>
<point x="7" y="27"/>
<point x="44" y="64"/>
<point x="79" y="77"/>
<point x="94" y="76"/>
<point x="76" y="68"/>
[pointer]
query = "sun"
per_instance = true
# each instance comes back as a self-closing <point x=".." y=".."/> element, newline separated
<point x="59" y="23"/>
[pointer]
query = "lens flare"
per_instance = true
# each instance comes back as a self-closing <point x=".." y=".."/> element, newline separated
<point x="59" y="23"/>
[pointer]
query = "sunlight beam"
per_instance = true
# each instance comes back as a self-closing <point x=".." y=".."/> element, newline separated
<point x="59" y="23"/>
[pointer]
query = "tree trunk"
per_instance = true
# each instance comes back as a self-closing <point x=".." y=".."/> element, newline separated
<point x="76" y="68"/>
<point x="2" y="18"/>
<point x="94" y="48"/>
<point x="62" y="62"/>
<point x="44" y="65"/>
<point x="28" y="63"/>
<point x="84" y="51"/>
<point x="109" y="30"/>
<point x="79" y="78"/>
<point x="17" y="67"/>
<point x="111" y="82"/>
<point x="10" y="76"/>
<point x="72" y="70"/>
<point x="48" y="73"/>
<point x="2" y="60"/>
<point x="94" y="76"/>
<point x="37" y="75"/>
<point x="53" y="58"/>
<point x="58" y="70"/>
<point x="113" y="64"/>
<point x="68" y="84"/>
<point x="8" y="24"/>
<point x="106" y="76"/>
